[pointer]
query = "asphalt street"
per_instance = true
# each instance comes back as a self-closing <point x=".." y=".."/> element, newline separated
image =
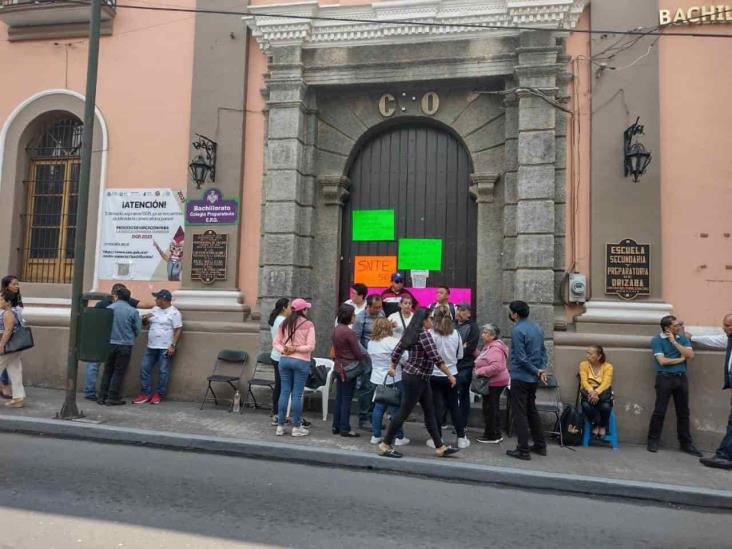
<point x="59" y="493"/>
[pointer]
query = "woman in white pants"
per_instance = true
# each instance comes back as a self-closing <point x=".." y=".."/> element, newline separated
<point x="11" y="362"/>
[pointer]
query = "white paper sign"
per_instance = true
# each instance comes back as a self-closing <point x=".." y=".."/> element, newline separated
<point x="142" y="235"/>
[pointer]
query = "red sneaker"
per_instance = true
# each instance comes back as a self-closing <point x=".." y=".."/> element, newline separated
<point x="142" y="398"/>
<point x="155" y="399"/>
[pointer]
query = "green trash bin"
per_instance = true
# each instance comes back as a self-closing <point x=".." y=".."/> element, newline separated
<point x="95" y="329"/>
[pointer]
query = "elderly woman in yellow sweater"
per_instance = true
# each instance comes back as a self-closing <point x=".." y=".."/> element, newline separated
<point x="596" y="378"/>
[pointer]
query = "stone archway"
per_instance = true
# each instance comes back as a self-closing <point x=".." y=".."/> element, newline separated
<point x="15" y="132"/>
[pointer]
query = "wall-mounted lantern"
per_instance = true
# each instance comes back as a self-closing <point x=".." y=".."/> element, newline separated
<point x="203" y="166"/>
<point x="636" y="157"/>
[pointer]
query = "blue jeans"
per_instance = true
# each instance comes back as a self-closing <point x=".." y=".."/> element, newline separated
<point x="293" y="375"/>
<point x="151" y="358"/>
<point x="725" y="449"/>
<point x="378" y="415"/>
<point x="342" y="410"/>
<point x="91" y="372"/>
<point x="5" y="378"/>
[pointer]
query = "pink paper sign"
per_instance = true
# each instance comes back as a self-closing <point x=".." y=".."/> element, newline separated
<point x="426" y="296"/>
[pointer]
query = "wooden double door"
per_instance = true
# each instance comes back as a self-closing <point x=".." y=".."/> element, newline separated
<point x="423" y="173"/>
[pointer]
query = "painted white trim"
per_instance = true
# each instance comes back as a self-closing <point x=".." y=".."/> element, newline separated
<point x="209" y="300"/>
<point x="46" y="301"/>
<point x="624" y="312"/>
<point x="105" y="143"/>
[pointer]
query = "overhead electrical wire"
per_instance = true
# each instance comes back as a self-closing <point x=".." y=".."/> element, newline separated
<point x="640" y="33"/>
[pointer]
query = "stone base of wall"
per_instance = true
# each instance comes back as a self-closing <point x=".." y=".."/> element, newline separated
<point x="45" y="364"/>
<point x="633" y="384"/>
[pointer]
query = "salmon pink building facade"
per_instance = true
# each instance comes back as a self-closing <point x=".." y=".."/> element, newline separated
<point x="494" y="146"/>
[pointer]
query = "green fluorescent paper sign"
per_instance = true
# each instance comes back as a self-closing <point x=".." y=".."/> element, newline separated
<point x="373" y="225"/>
<point x="420" y="254"/>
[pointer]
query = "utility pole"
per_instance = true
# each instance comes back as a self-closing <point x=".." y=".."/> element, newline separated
<point x="69" y="409"/>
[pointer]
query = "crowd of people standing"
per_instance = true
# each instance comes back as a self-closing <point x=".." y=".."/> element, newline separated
<point x="427" y="355"/>
<point x="434" y="355"/>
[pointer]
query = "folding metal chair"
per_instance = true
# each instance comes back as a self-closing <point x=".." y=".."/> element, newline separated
<point x="548" y="401"/>
<point x="227" y="362"/>
<point x="258" y="380"/>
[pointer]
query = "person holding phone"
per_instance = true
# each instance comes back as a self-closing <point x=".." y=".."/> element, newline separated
<point x="671" y="349"/>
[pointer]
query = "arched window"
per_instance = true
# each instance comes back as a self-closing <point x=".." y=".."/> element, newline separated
<point x="49" y="220"/>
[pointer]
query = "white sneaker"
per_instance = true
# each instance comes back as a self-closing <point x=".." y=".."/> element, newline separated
<point x="375" y="440"/>
<point x="300" y="432"/>
<point x="280" y="431"/>
<point x="463" y="442"/>
<point x="429" y="443"/>
<point x="403" y="441"/>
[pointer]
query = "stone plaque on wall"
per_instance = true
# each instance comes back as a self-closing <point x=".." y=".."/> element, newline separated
<point x="628" y="269"/>
<point x="208" y="257"/>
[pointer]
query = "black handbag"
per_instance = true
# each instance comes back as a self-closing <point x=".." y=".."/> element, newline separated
<point x="605" y="396"/>
<point x="480" y="385"/>
<point x="388" y="395"/>
<point x="21" y="339"/>
<point x="354" y="369"/>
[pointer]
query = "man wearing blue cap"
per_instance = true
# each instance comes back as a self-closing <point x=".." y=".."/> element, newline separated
<point x="165" y="326"/>
<point x="392" y="296"/>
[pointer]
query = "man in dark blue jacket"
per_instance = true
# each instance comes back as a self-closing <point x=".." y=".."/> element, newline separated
<point x="722" y="458"/>
<point x="527" y="366"/>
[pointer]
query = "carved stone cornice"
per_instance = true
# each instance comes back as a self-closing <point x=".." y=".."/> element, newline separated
<point x="403" y="18"/>
<point x="483" y="185"/>
<point x="334" y="189"/>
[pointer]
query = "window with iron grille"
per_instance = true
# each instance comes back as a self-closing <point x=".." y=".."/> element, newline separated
<point x="49" y="219"/>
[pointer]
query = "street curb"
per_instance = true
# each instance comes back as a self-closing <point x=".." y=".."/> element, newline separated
<point x="431" y="468"/>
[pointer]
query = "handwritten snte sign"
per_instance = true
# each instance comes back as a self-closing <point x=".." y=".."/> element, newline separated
<point x="370" y="225"/>
<point x="374" y="270"/>
<point x="628" y="269"/>
<point x="420" y="254"/>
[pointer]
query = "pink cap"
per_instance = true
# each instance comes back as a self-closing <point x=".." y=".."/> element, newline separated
<point x="300" y="304"/>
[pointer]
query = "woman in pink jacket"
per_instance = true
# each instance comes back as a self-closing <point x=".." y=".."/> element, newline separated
<point x="295" y="340"/>
<point x="491" y="362"/>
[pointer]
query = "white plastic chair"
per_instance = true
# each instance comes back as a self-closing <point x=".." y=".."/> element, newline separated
<point x="324" y="390"/>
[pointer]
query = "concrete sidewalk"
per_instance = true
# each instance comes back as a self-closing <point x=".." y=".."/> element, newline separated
<point x="669" y="476"/>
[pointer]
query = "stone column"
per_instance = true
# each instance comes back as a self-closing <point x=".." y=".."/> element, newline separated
<point x="287" y="208"/>
<point x="509" y="200"/>
<point x="560" y="206"/>
<point x="332" y="194"/>
<point x="490" y="246"/>
<point x="535" y="183"/>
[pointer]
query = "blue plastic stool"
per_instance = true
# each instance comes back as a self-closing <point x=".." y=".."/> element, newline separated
<point x="611" y="435"/>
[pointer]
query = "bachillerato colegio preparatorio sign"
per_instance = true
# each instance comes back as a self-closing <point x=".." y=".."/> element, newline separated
<point x="628" y="269"/>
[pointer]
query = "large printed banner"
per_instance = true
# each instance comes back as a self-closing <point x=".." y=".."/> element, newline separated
<point x="142" y="235"/>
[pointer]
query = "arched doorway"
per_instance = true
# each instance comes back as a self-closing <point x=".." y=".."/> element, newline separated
<point x="422" y="172"/>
